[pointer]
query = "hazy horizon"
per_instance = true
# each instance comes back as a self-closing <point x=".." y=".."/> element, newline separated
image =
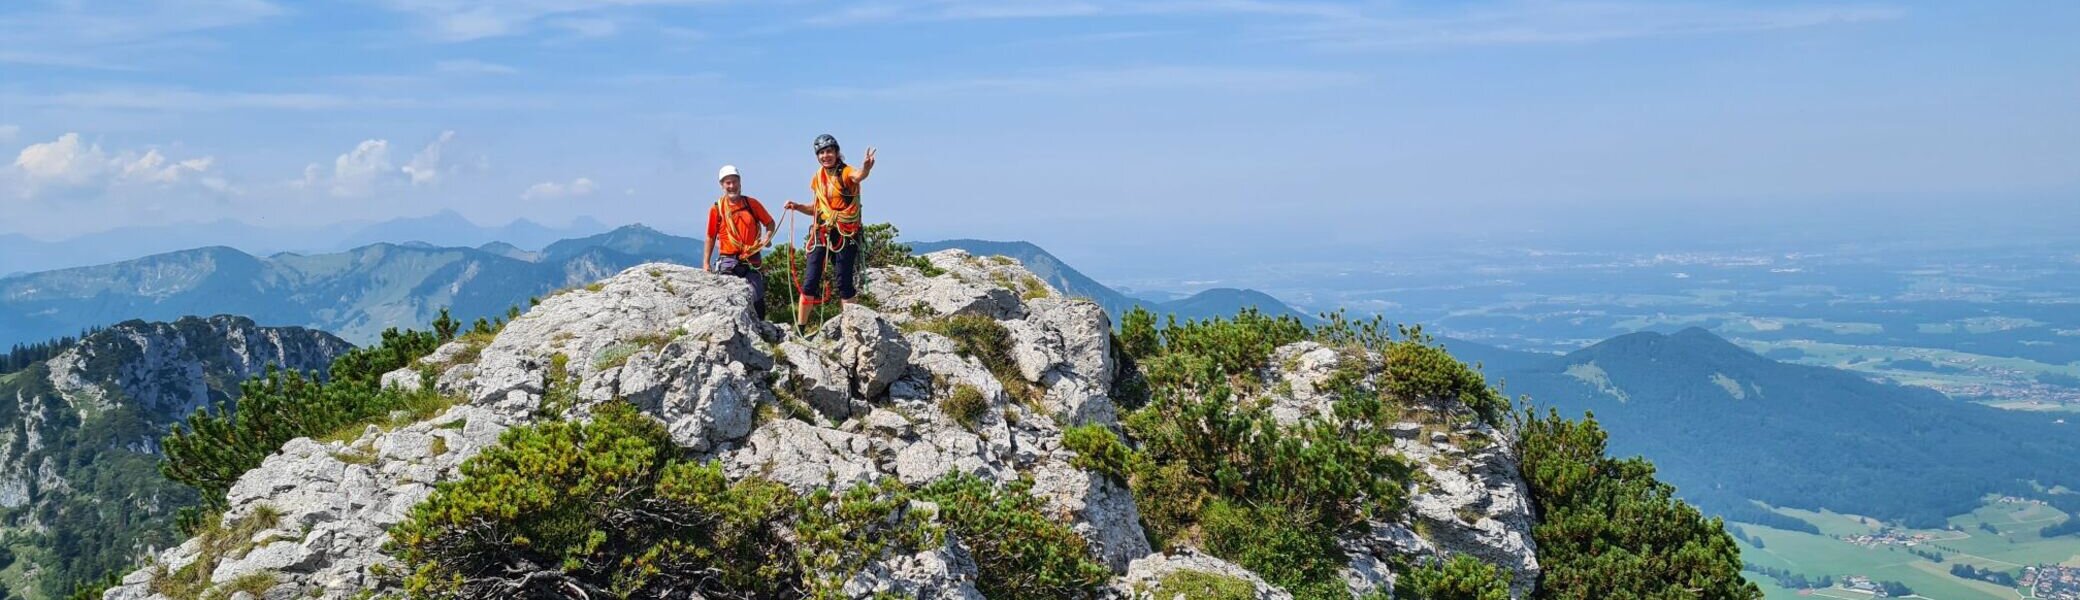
<point x="1113" y="127"/>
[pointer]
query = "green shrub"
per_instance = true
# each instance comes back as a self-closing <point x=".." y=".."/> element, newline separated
<point x="1211" y="470"/>
<point x="1293" y="550"/>
<point x="218" y="444"/>
<point x="364" y="367"/>
<point x="1235" y="347"/>
<point x="965" y="404"/>
<point x="1462" y="578"/>
<point x="1137" y="333"/>
<point x="1098" y="449"/>
<point x="612" y="508"/>
<point x="1609" y="529"/>
<point x="1198" y="585"/>
<point x="603" y="506"/>
<point x="1019" y="551"/>
<point x="94" y="589"/>
<point x="1338" y="472"/>
<point x="1420" y="372"/>
<point x="839" y="533"/>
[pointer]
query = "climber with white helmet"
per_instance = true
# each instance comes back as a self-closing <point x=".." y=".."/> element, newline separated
<point x="834" y="236"/>
<point x="740" y="228"/>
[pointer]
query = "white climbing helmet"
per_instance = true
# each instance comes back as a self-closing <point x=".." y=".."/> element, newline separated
<point x="727" y="170"/>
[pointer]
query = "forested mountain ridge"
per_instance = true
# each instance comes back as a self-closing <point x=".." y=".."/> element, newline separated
<point x="355" y="294"/>
<point x="1727" y="426"/>
<point x="80" y="487"/>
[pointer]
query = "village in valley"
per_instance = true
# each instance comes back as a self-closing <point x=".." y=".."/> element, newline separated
<point x="2051" y="582"/>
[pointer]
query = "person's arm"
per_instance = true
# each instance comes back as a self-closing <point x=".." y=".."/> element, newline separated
<point x="865" y="166"/>
<point x="800" y="208"/>
<point x="765" y="219"/>
<point x="708" y="246"/>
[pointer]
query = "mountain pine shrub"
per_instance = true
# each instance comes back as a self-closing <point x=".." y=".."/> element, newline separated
<point x="1200" y="585"/>
<point x="1021" y="552"/>
<point x="1211" y="471"/>
<point x="1098" y="449"/>
<point x="1461" y="578"/>
<point x="604" y="506"/>
<point x="1608" y="529"/>
<point x="614" y="508"/>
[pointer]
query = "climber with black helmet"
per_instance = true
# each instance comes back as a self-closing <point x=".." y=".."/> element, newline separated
<point x="734" y="227"/>
<point x="834" y="236"/>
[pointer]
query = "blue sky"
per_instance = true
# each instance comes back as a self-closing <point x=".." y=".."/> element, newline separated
<point x="1094" y="128"/>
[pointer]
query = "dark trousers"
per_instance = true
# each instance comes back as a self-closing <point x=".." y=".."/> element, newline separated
<point x="845" y="260"/>
<point x="734" y="266"/>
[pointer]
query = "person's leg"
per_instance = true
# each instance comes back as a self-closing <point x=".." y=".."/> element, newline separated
<point x="758" y="291"/>
<point x="847" y="270"/>
<point x="812" y="285"/>
<point x="758" y="286"/>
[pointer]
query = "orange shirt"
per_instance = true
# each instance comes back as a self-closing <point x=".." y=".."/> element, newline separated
<point x="737" y="231"/>
<point x="837" y="198"/>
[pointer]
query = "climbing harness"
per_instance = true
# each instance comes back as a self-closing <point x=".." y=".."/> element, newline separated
<point x="729" y="230"/>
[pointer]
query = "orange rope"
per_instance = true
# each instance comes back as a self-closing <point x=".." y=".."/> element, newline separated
<point x="801" y="252"/>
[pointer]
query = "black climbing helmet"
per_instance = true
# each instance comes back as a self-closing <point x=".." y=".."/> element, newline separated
<point x="825" y="141"/>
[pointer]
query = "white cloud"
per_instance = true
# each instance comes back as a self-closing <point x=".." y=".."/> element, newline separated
<point x="70" y="162"/>
<point x="357" y="172"/>
<point x="64" y="161"/>
<point x="425" y="168"/>
<point x="550" y="190"/>
<point x="367" y="168"/>
<point x="153" y="167"/>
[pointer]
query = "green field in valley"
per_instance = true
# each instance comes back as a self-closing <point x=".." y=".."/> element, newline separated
<point x="2015" y="545"/>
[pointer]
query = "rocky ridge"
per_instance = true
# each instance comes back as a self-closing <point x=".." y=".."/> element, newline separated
<point x="161" y="370"/>
<point x="861" y="399"/>
<point x="79" y="432"/>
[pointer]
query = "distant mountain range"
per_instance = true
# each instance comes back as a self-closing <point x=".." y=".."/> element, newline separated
<point x="21" y="254"/>
<point x="402" y="281"/>
<point x="1218" y="302"/>
<point x="1727" y="426"/>
<point x="355" y="294"/>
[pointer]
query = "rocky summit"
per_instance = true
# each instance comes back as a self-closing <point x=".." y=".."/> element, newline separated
<point x="863" y="398"/>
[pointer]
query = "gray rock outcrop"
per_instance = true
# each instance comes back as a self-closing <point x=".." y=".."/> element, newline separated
<point x="1470" y="498"/>
<point x="872" y="394"/>
<point x="1146" y="578"/>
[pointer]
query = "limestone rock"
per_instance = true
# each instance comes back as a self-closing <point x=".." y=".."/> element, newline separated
<point x="803" y="456"/>
<point x="336" y="503"/>
<point x="1143" y="580"/>
<point x="971" y="285"/>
